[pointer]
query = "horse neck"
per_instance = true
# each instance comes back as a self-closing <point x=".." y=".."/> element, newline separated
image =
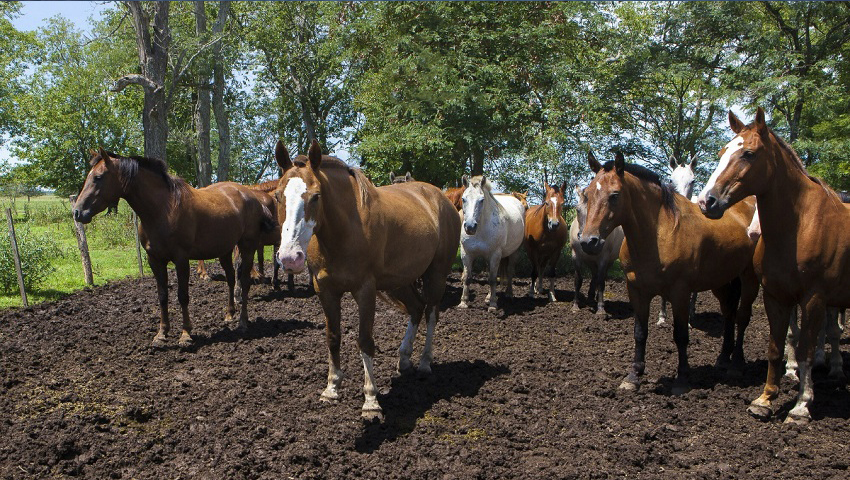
<point x="341" y="214"/>
<point x="150" y="197"/>
<point x="646" y="218"/>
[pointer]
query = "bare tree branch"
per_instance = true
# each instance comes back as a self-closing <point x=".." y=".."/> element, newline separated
<point x="134" y="79"/>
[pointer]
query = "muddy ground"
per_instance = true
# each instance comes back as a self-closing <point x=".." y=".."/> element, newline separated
<point x="530" y="392"/>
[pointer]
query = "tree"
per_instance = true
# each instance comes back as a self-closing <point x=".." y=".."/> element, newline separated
<point x="16" y="49"/>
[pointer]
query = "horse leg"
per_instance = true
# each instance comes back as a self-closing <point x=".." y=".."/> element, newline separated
<point x="259" y="267"/>
<point x="813" y="311"/>
<point x="662" y="312"/>
<point x="365" y="298"/>
<point x="532" y="257"/>
<point x="464" y="277"/>
<point x="791" y="347"/>
<point x="202" y="270"/>
<point x="182" y="268"/>
<point x="333" y="311"/>
<point x="728" y="296"/>
<point x="414" y="306"/>
<point x="777" y="317"/>
<point x="834" y="329"/>
<point x="495" y="260"/>
<point x="692" y="307"/>
<point x="577" y="284"/>
<point x="681" y="335"/>
<point x="553" y="263"/>
<point x="749" y="292"/>
<point x="509" y="274"/>
<point x="160" y="273"/>
<point x="433" y="314"/>
<point x="601" y="273"/>
<point x="820" y="347"/>
<point x="276" y="270"/>
<point x="247" y="257"/>
<point x="640" y="305"/>
<point x="226" y="262"/>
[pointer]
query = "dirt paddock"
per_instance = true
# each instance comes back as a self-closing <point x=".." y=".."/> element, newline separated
<point x="529" y="392"/>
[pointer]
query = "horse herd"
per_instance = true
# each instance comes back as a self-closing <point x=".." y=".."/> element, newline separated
<point x="399" y="242"/>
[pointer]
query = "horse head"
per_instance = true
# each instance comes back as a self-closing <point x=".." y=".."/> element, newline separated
<point x="683" y="176"/>
<point x="473" y="198"/>
<point x="606" y="202"/>
<point x="553" y="202"/>
<point x="406" y="178"/>
<point x="103" y="187"/>
<point x="299" y="197"/>
<point x="743" y="169"/>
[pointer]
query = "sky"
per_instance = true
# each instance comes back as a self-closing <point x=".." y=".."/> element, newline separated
<point x="33" y="14"/>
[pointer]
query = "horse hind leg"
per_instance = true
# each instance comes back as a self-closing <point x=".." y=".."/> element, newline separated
<point x="182" y="268"/>
<point x="834" y="329"/>
<point x="791" y="347"/>
<point x="202" y="271"/>
<point x="601" y="274"/>
<point x="365" y="298"/>
<point x="160" y="273"/>
<point x="577" y="283"/>
<point x="552" y="265"/>
<point x="413" y="305"/>
<point x="662" y="313"/>
<point x="509" y="274"/>
<point x="229" y="274"/>
<point x="812" y="316"/>
<point x="728" y="296"/>
<point x="247" y="256"/>
<point x="495" y="261"/>
<point x="465" y="278"/>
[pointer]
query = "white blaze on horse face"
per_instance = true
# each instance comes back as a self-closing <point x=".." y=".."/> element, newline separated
<point x="295" y="232"/>
<point x="683" y="180"/>
<point x="733" y="146"/>
<point x="473" y="202"/>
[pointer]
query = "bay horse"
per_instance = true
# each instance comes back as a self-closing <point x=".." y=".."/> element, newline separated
<point x="672" y="250"/>
<point x="178" y="223"/>
<point x="545" y="237"/>
<point x="399" y="240"/>
<point x="493" y="228"/>
<point x="455" y="195"/>
<point x="803" y="257"/>
<point x="682" y="177"/>
<point x="599" y="263"/>
<point x="271" y="238"/>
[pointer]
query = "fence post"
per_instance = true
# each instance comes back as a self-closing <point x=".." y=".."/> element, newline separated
<point x="83" y="244"/>
<point x="17" y="257"/>
<point x="138" y="245"/>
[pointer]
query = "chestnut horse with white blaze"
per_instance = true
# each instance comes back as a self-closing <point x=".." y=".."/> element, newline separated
<point x="178" y="223"/>
<point x="672" y="250"/>
<point x="803" y="257"/>
<point x="545" y="237"/>
<point x="399" y="239"/>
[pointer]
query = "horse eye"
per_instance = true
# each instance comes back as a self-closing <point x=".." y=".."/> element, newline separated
<point x="614" y="197"/>
<point x="314" y="197"/>
<point x="748" y="154"/>
<point x="98" y="177"/>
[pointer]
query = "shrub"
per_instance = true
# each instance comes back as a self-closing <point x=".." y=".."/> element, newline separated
<point x="37" y="255"/>
<point x="115" y="230"/>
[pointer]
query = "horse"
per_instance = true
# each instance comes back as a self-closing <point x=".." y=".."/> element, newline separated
<point x="599" y="263"/>
<point x="682" y="177"/>
<point x="493" y="228"/>
<point x="271" y="238"/>
<point x="179" y="223"/>
<point x="803" y="256"/>
<point x="455" y="195"/>
<point x="398" y="239"/>
<point x="545" y="237"/>
<point x="672" y="250"/>
<point x="406" y="178"/>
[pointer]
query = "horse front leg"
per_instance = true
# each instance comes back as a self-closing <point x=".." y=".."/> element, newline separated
<point x="182" y="268"/>
<point x="365" y="298"/>
<point x="601" y="274"/>
<point x="749" y="292"/>
<point x="834" y="329"/>
<point x="465" y="277"/>
<point x="160" y="273"/>
<point x="509" y="273"/>
<point x="333" y="311"/>
<point x="662" y="312"/>
<point x="553" y="264"/>
<point x="202" y="270"/>
<point x="433" y="314"/>
<point x="791" y="347"/>
<point x="577" y="283"/>
<point x="812" y="315"/>
<point x="226" y="262"/>
<point x="777" y="316"/>
<point x="640" y="305"/>
<point x="495" y="260"/>
<point x="247" y="262"/>
<point x="681" y="335"/>
<point x="728" y="296"/>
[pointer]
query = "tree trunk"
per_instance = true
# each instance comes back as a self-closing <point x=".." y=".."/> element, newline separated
<point x="221" y="119"/>
<point x="202" y="107"/>
<point x="477" y="160"/>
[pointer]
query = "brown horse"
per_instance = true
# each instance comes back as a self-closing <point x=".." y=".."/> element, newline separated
<point x="406" y="178"/>
<point x="545" y="236"/>
<point x="398" y="239"/>
<point x="179" y="223"/>
<point x="803" y="257"/>
<point x="455" y="195"/>
<point x="672" y="250"/>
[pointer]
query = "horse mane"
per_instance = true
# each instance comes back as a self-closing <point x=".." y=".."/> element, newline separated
<point x="268" y="186"/>
<point x="668" y="193"/>
<point x="330" y="163"/>
<point x="128" y="168"/>
<point x="798" y="162"/>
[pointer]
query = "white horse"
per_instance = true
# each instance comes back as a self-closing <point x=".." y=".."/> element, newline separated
<point x="493" y="228"/>
<point x="599" y="263"/>
<point x="682" y="178"/>
<point x="832" y="330"/>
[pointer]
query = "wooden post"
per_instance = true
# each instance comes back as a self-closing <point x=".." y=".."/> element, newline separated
<point x="138" y="245"/>
<point x="83" y="244"/>
<point x="17" y="256"/>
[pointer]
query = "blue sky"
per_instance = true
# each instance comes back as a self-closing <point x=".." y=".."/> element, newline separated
<point x="33" y="14"/>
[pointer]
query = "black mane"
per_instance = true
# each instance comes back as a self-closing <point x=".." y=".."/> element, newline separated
<point x="128" y="168"/>
<point x="668" y="198"/>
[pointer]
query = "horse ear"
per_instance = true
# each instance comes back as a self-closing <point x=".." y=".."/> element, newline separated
<point x="107" y="159"/>
<point x="673" y="162"/>
<point x="563" y="187"/>
<point x="735" y="124"/>
<point x="315" y="154"/>
<point x="694" y="162"/>
<point x="281" y="155"/>
<point x="619" y="163"/>
<point x="392" y="177"/>
<point x="408" y="177"/>
<point x="465" y="180"/>
<point x="577" y="191"/>
<point x="761" y="125"/>
<point x="595" y="166"/>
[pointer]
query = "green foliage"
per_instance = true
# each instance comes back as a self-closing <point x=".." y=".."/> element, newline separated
<point x="37" y="254"/>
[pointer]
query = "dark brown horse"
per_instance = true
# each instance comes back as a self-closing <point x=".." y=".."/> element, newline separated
<point x="179" y="223"/>
<point x="803" y="257"/>
<point x="399" y="239"/>
<point x="671" y="249"/>
<point x="545" y="236"/>
<point x="271" y="238"/>
<point x="406" y="178"/>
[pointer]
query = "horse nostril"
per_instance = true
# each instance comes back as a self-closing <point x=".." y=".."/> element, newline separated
<point x="710" y="202"/>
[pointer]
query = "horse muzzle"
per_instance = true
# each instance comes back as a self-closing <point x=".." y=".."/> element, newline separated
<point x="292" y="262"/>
<point x="470" y="228"/>
<point x="554" y="225"/>
<point x="82" y="216"/>
<point x="592" y="245"/>
<point x="711" y="206"/>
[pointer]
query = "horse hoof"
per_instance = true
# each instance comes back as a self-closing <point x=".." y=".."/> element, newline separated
<point x="158" y="342"/>
<point x="600" y="312"/>
<point x="792" y="376"/>
<point x="186" y="342"/>
<point x="424" y="370"/>
<point x="242" y="327"/>
<point x="576" y="308"/>
<point x="404" y="366"/>
<point x="798" y="419"/>
<point x="462" y="305"/>
<point x="491" y="308"/>
<point x="661" y="323"/>
<point x="329" y="396"/>
<point x="760" y="412"/>
<point x="372" y="415"/>
<point x="553" y="299"/>
<point x="629" y="386"/>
